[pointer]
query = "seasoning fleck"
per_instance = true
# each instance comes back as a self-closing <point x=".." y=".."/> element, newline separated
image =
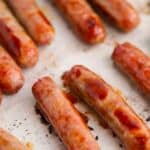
<point x="120" y="145"/>
<point x="91" y="128"/>
<point x="114" y="134"/>
<point x="148" y="119"/>
<point x="96" y="138"/>
<point x="50" y="129"/>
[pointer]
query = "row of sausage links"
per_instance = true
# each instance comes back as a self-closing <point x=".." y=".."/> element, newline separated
<point x="129" y="58"/>
<point x="18" y="43"/>
<point x="88" y="24"/>
<point x="13" y="36"/>
<point x="21" y="46"/>
<point x="105" y="100"/>
<point x="61" y="113"/>
<point x="110" y="106"/>
<point x="84" y="20"/>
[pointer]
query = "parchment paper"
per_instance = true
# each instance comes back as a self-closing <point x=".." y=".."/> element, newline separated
<point x="17" y="113"/>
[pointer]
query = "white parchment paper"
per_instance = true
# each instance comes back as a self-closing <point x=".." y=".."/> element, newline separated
<point x="17" y="114"/>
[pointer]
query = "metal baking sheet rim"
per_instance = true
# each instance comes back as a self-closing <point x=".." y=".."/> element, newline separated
<point x="17" y="112"/>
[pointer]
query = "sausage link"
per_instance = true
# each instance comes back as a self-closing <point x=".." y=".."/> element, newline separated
<point x="135" y="64"/>
<point x="120" y="12"/>
<point x="61" y="113"/>
<point x="15" y="39"/>
<point x="85" y="22"/>
<point x="110" y="106"/>
<point x="9" y="142"/>
<point x="33" y="20"/>
<point x="11" y="77"/>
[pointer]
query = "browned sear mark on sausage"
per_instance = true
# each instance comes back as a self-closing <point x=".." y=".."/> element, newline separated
<point x="141" y="140"/>
<point x="95" y="89"/>
<point x="93" y="26"/>
<point x="15" y="42"/>
<point x="126" y="120"/>
<point x="91" y="22"/>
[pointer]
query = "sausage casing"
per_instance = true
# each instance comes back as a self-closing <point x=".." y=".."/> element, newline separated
<point x="120" y="12"/>
<point x="9" y="142"/>
<point x="60" y="112"/>
<point x="33" y="20"/>
<point x="15" y="39"/>
<point x="110" y="106"/>
<point x="11" y="77"/>
<point x="83" y="19"/>
<point x="1" y="95"/>
<point x="135" y="64"/>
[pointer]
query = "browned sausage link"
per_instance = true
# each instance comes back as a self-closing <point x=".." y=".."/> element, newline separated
<point x="135" y="63"/>
<point x="85" y="22"/>
<point x="15" y="39"/>
<point x="63" y="116"/>
<point x="9" y="142"/>
<point x="33" y="20"/>
<point x="110" y="106"/>
<point x="120" y="12"/>
<point x="11" y="77"/>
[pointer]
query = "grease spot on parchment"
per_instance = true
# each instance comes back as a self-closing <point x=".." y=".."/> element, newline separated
<point x="29" y="146"/>
<point x="145" y="8"/>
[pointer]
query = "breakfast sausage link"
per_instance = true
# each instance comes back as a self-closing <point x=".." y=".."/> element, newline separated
<point x="11" y="77"/>
<point x="135" y="64"/>
<point x="110" y="106"/>
<point x="120" y="12"/>
<point x="15" y="39"/>
<point x="60" y="112"/>
<point x="9" y="142"/>
<point x="85" y="22"/>
<point x="33" y="20"/>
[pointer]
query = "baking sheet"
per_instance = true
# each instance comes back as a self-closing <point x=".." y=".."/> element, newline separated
<point x="17" y="113"/>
